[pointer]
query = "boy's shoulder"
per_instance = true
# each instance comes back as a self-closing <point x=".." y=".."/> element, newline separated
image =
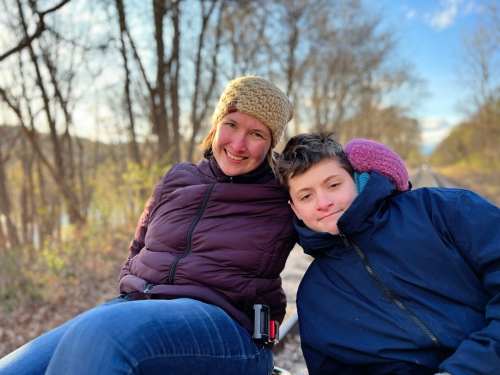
<point x="441" y="198"/>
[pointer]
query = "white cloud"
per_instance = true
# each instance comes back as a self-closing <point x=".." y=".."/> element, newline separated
<point x="435" y="129"/>
<point x="446" y="15"/>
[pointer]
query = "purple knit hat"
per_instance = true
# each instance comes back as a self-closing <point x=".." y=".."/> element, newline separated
<point x="366" y="155"/>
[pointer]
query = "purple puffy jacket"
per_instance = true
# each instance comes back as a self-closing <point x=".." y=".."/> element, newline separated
<point x="219" y="239"/>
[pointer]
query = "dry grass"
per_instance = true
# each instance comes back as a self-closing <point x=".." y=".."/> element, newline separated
<point x="475" y="179"/>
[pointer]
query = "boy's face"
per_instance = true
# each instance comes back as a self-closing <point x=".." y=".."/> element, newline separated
<point x="320" y="195"/>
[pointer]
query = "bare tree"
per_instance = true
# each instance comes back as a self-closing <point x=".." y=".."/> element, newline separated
<point x="389" y="125"/>
<point x="246" y="43"/>
<point x="133" y="146"/>
<point x="203" y="94"/>
<point x="165" y="123"/>
<point x="295" y="19"/>
<point x="481" y="73"/>
<point x="174" y="65"/>
<point x="482" y="57"/>
<point x="59" y="165"/>
<point x="39" y="29"/>
<point x="9" y="233"/>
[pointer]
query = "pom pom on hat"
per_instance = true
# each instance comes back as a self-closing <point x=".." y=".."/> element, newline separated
<point x="258" y="98"/>
<point x="366" y="155"/>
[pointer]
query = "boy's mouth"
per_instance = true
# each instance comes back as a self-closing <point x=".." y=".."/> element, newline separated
<point x="329" y="214"/>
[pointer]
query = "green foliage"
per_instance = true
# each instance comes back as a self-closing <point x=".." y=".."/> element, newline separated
<point x="456" y="147"/>
<point x="119" y="196"/>
<point x="81" y="257"/>
<point x="15" y="281"/>
<point x="474" y="142"/>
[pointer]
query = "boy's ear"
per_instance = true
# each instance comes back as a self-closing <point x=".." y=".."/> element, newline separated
<point x="290" y="202"/>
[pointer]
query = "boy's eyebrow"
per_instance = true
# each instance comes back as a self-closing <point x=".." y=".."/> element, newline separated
<point x="304" y="189"/>
<point x="331" y="176"/>
<point x="325" y="180"/>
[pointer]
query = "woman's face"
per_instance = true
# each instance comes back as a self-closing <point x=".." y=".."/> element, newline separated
<point x="241" y="143"/>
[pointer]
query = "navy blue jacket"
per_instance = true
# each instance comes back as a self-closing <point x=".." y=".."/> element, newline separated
<point x="410" y="286"/>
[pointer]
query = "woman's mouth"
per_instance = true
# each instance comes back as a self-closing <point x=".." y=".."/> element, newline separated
<point x="234" y="157"/>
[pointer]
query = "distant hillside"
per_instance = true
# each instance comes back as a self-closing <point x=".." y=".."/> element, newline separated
<point x="458" y="146"/>
<point x="471" y="152"/>
<point x="13" y="142"/>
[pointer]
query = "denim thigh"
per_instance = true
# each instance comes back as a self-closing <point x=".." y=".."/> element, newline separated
<point x="153" y="337"/>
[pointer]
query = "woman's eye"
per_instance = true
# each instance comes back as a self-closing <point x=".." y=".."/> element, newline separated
<point x="258" y="135"/>
<point x="230" y="124"/>
<point x="304" y="197"/>
<point x="334" y="185"/>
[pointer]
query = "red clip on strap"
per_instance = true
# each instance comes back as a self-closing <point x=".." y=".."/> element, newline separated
<point x="272" y="330"/>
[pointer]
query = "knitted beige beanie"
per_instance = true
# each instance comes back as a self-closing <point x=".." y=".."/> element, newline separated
<point x="259" y="98"/>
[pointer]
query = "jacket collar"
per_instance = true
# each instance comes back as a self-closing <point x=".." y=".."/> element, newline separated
<point x="262" y="174"/>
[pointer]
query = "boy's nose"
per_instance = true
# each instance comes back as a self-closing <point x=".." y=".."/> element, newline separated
<point x="323" y="201"/>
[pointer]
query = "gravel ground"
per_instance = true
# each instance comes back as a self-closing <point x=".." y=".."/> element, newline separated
<point x="290" y="356"/>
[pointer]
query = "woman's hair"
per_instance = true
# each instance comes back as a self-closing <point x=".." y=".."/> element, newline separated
<point x="306" y="150"/>
<point x="206" y="143"/>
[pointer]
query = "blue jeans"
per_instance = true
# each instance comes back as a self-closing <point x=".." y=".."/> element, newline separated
<point x="153" y="337"/>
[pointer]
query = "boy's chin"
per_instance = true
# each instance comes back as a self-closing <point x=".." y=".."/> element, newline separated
<point x="330" y="228"/>
<point x="333" y="231"/>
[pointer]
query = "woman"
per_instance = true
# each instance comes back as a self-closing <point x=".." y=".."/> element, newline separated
<point x="210" y="244"/>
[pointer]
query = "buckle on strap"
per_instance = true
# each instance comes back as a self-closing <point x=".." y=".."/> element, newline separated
<point x="265" y="330"/>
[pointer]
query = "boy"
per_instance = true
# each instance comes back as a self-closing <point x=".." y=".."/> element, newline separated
<point x="402" y="282"/>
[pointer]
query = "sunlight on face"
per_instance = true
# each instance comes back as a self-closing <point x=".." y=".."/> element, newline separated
<point x="241" y="143"/>
<point x="321" y="195"/>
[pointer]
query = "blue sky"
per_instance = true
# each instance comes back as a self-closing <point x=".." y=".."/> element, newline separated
<point x="430" y="35"/>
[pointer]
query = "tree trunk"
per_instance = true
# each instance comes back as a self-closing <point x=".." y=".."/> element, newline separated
<point x="174" y="81"/>
<point x="58" y="170"/>
<point x="133" y="147"/>
<point x="199" y="111"/>
<point x="5" y="208"/>
<point x="158" y="101"/>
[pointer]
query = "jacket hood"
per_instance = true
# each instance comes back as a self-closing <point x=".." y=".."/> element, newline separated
<point x="367" y="204"/>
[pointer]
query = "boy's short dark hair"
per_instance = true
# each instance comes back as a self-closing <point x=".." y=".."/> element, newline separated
<point x="305" y="150"/>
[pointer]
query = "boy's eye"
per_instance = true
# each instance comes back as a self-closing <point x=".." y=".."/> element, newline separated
<point x="335" y="184"/>
<point x="304" y="197"/>
<point x="230" y="124"/>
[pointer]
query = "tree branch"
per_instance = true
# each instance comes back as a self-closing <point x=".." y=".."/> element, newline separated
<point x="40" y="28"/>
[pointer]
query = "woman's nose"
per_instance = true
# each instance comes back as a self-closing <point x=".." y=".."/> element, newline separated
<point x="239" y="143"/>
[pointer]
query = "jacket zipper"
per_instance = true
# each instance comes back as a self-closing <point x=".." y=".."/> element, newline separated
<point x="389" y="294"/>
<point x="199" y="214"/>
